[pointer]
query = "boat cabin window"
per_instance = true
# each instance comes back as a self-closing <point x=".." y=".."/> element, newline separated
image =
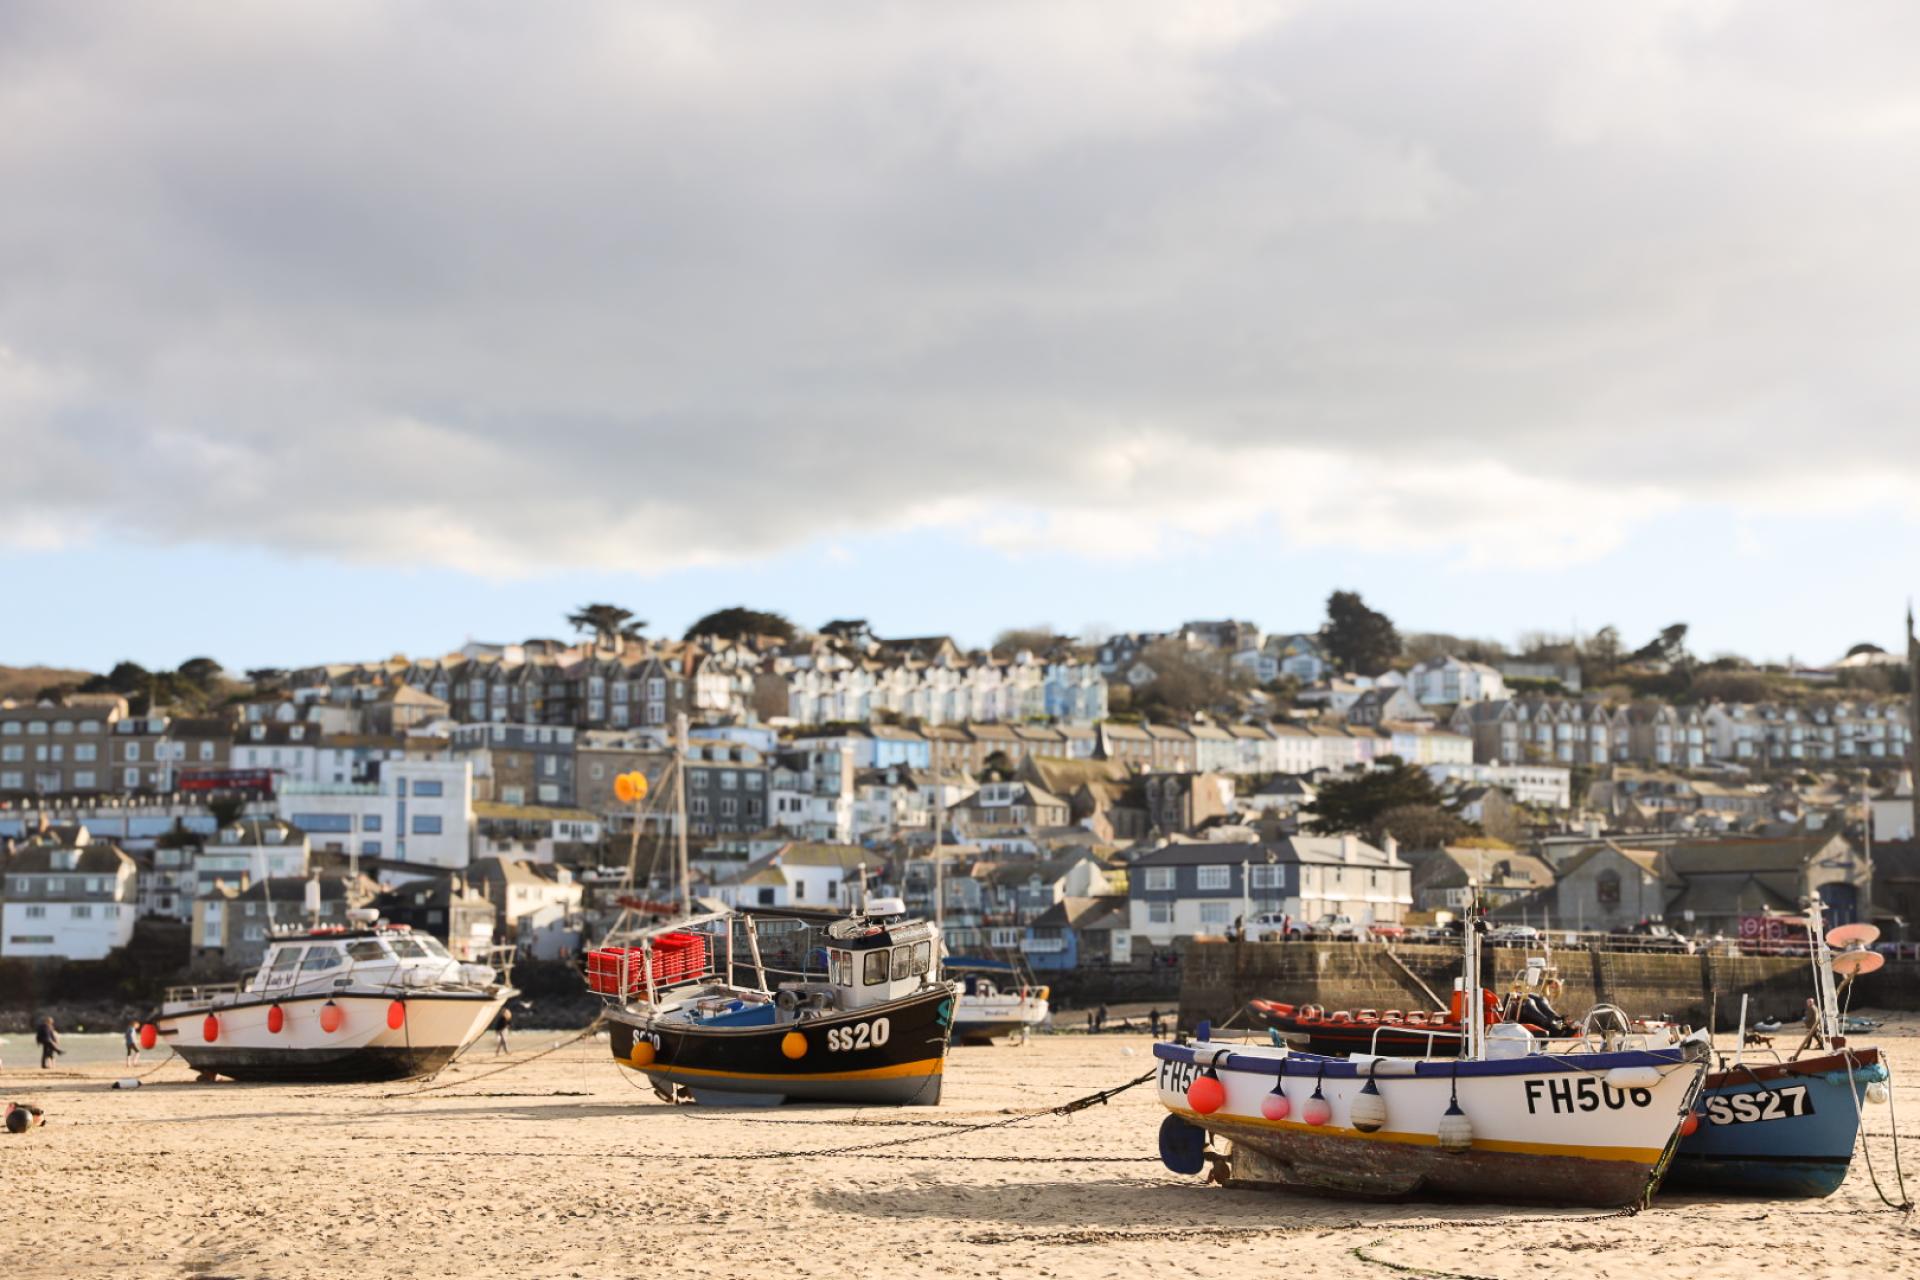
<point x="287" y="959"/>
<point x="876" y="968"/>
<point x="320" y="959"/>
<point x="366" y="949"/>
<point x="922" y="956"/>
<point x="433" y="948"/>
<point x="842" y="967"/>
<point x="902" y="962"/>
<point x="407" y="948"/>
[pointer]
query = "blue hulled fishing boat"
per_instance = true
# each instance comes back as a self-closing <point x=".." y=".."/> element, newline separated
<point x="1789" y="1127"/>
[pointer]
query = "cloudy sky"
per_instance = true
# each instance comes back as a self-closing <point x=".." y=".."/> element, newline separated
<point x="334" y="329"/>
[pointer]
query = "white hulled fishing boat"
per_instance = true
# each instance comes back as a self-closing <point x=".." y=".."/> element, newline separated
<point x="1594" y="1122"/>
<point x="364" y="1001"/>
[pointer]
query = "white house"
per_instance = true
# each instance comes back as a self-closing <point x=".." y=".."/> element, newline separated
<point x="67" y="897"/>
<point x="1449" y="680"/>
<point x="1547" y="786"/>
<point x="417" y="811"/>
<point x="802" y="874"/>
<point x="242" y="853"/>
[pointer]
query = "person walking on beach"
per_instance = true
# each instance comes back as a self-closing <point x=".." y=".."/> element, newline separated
<point x="1153" y="1017"/>
<point x="133" y="1044"/>
<point x="1100" y="1018"/>
<point x="500" y="1024"/>
<point x="49" y="1042"/>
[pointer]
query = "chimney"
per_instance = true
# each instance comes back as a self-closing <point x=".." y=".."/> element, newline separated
<point x="1392" y="847"/>
<point x="1349" y="848"/>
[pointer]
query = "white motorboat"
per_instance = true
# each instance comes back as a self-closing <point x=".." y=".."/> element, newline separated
<point x="365" y="1001"/>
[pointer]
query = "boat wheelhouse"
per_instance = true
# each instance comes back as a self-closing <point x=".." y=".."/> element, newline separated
<point x="364" y="1001"/>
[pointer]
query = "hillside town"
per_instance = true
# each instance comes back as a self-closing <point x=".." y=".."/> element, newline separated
<point x="1093" y="803"/>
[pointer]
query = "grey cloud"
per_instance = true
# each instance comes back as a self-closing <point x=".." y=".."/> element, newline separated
<point x="493" y="284"/>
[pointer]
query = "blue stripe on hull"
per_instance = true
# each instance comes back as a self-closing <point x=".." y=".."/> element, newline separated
<point x="1784" y="1176"/>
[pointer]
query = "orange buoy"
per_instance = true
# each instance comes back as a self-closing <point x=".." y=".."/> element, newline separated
<point x="1206" y="1094"/>
<point x="1690" y="1125"/>
<point x="794" y="1045"/>
<point x="641" y="1055"/>
<point x="397" y="1014"/>
<point x="210" y="1029"/>
<point x="331" y="1016"/>
<point x="149" y="1035"/>
<point x="276" y="1019"/>
<point x="1275" y="1105"/>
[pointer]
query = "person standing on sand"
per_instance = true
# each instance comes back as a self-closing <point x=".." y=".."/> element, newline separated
<point x="500" y="1024"/>
<point x="49" y="1042"/>
<point x="133" y="1044"/>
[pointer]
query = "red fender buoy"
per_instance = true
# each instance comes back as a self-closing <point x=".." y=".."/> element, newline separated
<point x="331" y="1016"/>
<point x="397" y="1014"/>
<point x="276" y="1019"/>
<point x="210" y="1029"/>
<point x="1206" y="1094"/>
<point x="149" y="1035"/>
<point x="1690" y="1125"/>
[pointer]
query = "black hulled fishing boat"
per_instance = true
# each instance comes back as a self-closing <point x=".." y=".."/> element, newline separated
<point x="873" y="1029"/>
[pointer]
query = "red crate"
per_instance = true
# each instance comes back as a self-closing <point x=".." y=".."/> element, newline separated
<point x="621" y="971"/>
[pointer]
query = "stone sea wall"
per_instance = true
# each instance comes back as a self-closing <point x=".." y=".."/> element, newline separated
<point x="1218" y="978"/>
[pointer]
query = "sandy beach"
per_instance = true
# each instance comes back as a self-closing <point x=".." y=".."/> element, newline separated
<point x="565" y="1166"/>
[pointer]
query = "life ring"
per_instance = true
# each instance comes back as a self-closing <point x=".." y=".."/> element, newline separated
<point x="1340" y="1015"/>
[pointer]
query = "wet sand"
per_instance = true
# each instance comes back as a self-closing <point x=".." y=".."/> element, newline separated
<point x="566" y="1166"/>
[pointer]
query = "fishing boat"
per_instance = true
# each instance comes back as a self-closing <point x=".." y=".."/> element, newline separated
<point x="1789" y="1126"/>
<point x="874" y="1029"/>
<point x="996" y="999"/>
<point x="361" y="1002"/>
<point x="1591" y="1123"/>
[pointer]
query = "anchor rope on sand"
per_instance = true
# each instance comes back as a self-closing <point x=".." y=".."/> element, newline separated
<point x="518" y="1062"/>
<point x="1064" y="1109"/>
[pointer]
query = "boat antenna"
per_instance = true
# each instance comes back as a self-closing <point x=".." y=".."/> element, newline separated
<point x="1470" y="971"/>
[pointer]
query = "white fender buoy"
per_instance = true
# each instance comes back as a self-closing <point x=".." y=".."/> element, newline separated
<point x="1368" y="1110"/>
<point x="1878" y="1093"/>
<point x="1455" y="1131"/>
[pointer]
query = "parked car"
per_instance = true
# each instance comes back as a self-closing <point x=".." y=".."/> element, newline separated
<point x="1513" y="935"/>
<point x="1273" y="926"/>
<point x="1648" y="936"/>
<point x="1343" y="928"/>
<point x="1387" y="932"/>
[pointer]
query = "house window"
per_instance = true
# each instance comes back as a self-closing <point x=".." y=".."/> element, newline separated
<point x="1159" y="878"/>
<point x="1215" y="877"/>
<point x="427" y="788"/>
<point x="370" y="848"/>
<point x="426" y="824"/>
<point x="1160" y="912"/>
<point x="81" y="911"/>
<point x="1216" y="912"/>
<point x="1269" y="877"/>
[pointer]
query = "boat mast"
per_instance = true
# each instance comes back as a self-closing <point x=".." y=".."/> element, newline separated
<point x="1475" y="1045"/>
<point x="680" y="806"/>
<point x="1823" y="991"/>
<point x="939" y="883"/>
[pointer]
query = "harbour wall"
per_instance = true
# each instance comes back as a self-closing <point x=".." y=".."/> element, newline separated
<point x="1219" y="977"/>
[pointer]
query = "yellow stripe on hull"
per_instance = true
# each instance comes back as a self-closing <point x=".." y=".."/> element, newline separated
<point x="1631" y="1155"/>
<point x="925" y="1067"/>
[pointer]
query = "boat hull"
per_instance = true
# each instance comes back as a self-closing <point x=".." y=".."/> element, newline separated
<point x="891" y="1054"/>
<point x="1543" y="1129"/>
<point x="436" y="1026"/>
<point x="1778" y="1129"/>
<point x="981" y="1021"/>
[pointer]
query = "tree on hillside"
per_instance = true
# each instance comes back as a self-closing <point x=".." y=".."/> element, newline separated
<point x="1601" y="653"/>
<point x="1187" y="680"/>
<point x="609" y="623"/>
<point x="1038" y="641"/>
<point x="1358" y="638"/>
<point x="741" y="623"/>
<point x="1418" y="826"/>
<point x="1669" y="646"/>
<point x="226" y="808"/>
<point x="264" y="678"/>
<point x="1864" y="647"/>
<point x="1420" y="646"/>
<point x="1356" y="804"/>
<point x="202" y="672"/>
